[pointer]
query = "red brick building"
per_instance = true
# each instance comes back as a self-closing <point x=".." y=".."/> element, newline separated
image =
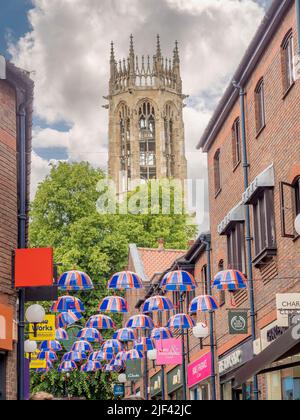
<point x="16" y="96"/>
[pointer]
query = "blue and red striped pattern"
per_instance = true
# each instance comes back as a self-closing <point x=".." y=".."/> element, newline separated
<point x="91" y="366"/>
<point x="181" y="321"/>
<point x="47" y="355"/>
<point x="102" y="355"/>
<point x="67" y="303"/>
<point x="230" y="280"/>
<point x="67" y="366"/>
<point x="100" y="322"/>
<point x="110" y="367"/>
<point x="82" y="347"/>
<point x="178" y="281"/>
<point x="204" y="303"/>
<point x="75" y="281"/>
<point x="125" y="334"/>
<point x="67" y="318"/>
<point x="144" y="344"/>
<point x="50" y="345"/>
<point x="134" y="355"/>
<point x="142" y="322"/>
<point x="162" y="333"/>
<point x="48" y="367"/>
<point x="90" y="334"/>
<point x="125" y="280"/>
<point x="61" y="334"/>
<point x="113" y="304"/>
<point x="112" y="346"/>
<point x="157" y="303"/>
<point x="74" y="356"/>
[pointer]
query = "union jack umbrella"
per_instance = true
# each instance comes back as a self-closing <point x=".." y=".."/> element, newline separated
<point x="112" y="368"/>
<point x="178" y="281"/>
<point x="157" y="303"/>
<point x="203" y="303"/>
<point x="162" y="333"/>
<point x="67" y="318"/>
<point x="61" y="334"/>
<point x="101" y="355"/>
<point x="67" y="366"/>
<point x="91" y="366"/>
<point x="125" y="334"/>
<point x="82" y="347"/>
<point x="112" y="346"/>
<point x="67" y="303"/>
<point x="134" y="355"/>
<point x="114" y="304"/>
<point x="47" y="355"/>
<point x="144" y="344"/>
<point x="181" y="321"/>
<point x="100" y="322"/>
<point x="230" y="280"/>
<point x="90" y="334"/>
<point x="125" y="280"/>
<point x="46" y="369"/>
<point x="75" y="281"/>
<point x="120" y="357"/>
<point x="73" y="356"/>
<point x="50" y="345"/>
<point x="143" y="322"/>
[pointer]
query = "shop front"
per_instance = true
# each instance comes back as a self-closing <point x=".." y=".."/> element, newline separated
<point x="156" y="387"/>
<point x="6" y="344"/>
<point x="199" y="374"/>
<point x="228" y="366"/>
<point x="175" y="385"/>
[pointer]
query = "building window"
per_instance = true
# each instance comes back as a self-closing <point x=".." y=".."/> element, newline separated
<point x="205" y="280"/>
<point x="264" y="227"/>
<point x="236" y="248"/>
<point x="169" y="141"/>
<point x="260" y="106"/>
<point x="147" y="141"/>
<point x="288" y="61"/>
<point x="125" y="147"/>
<point x="236" y="142"/>
<point x="217" y="171"/>
<point x="290" y="207"/>
<point x="222" y="295"/>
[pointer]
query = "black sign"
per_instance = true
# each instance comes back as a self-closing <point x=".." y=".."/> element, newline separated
<point x="238" y="322"/>
<point x="41" y="294"/>
<point x="133" y="370"/>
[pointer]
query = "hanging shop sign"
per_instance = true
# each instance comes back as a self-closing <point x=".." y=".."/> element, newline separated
<point x="133" y="370"/>
<point x="169" y="352"/>
<point x="175" y="379"/>
<point x="35" y="363"/>
<point x="119" y="390"/>
<point x="33" y="267"/>
<point x="6" y="327"/>
<point x="155" y="385"/>
<point x="238" y="322"/>
<point x="44" y="331"/>
<point x="288" y="306"/>
<point x="199" y="370"/>
<point x="236" y="358"/>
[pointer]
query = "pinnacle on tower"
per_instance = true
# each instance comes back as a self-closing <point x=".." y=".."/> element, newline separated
<point x="112" y="52"/>
<point x="131" y="50"/>
<point x="176" y="53"/>
<point x="158" y="48"/>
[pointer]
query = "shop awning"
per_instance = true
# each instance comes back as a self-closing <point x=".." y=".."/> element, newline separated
<point x="287" y="345"/>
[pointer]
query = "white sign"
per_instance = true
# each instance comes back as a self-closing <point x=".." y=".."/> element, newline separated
<point x="231" y="361"/>
<point x="257" y="347"/>
<point x="287" y="304"/>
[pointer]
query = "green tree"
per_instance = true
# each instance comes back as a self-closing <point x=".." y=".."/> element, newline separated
<point x="64" y="216"/>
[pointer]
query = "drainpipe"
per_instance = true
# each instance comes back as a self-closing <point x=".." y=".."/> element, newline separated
<point x="298" y="22"/>
<point x="242" y="94"/>
<point x="206" y="239"/>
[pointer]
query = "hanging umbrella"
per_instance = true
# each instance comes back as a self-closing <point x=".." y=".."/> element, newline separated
<point x="140" y="322"/>
<point x="178" y="281"/>
<point x="73" y="356"/>
<point x="112" y="368"/>
<point x="125" y="335"/>
<point x="181" y="321"/>
<point x="66" y="319"/>
<point x="67" y="366"/>
<point x="50" y="345"/>
<point x="61" y="334"/>
<point x="144" y="344"/>
<point x="134" y="355"/>
<point x="100" y="322"/>
<point x="121" y="357"/>
<point x="114" y="304"/>
<point x="230" y="280"/>
<point x="47" y="355"/>
<point x="101" y="355"/>
<point x="162" y="333"/>
<point x="112" y="346"/>
<point x="91" y="366"/>
<point x="75" y="281"/>
<point x="82" y="347"/>
<point x="125" y="280"/>
<point x="46" y="369"/>
<point x="67" y="303"/>
<point x="157" y="303"/>
<point x="90" y="334"/>
<point x="203" y="303"/>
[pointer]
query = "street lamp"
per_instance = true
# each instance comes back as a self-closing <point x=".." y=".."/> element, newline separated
<point x="297" y="224"/>
<point x="122" y="378"/>
<point x="201" y="331"/>
<point x="30" y="347"/>
<point x="35" y="314"/>
<point x="152" y="356"/>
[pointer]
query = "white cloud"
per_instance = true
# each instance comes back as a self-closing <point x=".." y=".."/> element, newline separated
<point x="68" y="50"/>
<point x="40" y="168"/>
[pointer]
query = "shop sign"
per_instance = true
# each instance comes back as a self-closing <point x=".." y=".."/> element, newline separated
<point x="270" y="334"/>
<point x="175" y="379"/>
<point x="238" y="322"/>
<point x="133" y="370"/>
<point x="119" y="390"/>
<point x="44" y="331"/>
<point x="199" y="370"/>
<point x="155" y="384"/>
<point x="287" y="305"/>
<point x="6" y="327"/>
<point x="35" y="363"/>
<point x="33" y="267"/>
<point x="236" y="358"/>
<point x="169" y="352"/>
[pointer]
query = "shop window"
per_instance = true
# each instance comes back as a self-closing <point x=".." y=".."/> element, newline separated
<point x="236" y="248"/>
<point x="290" y="207"/>
<point x="260" y="106"/>
<point x="236" y="143"/>
<point x="217" y="172"/>
<point x="287" y="53"/>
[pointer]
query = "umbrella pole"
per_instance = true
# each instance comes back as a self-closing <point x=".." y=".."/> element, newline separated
<point x="163" y="389"/>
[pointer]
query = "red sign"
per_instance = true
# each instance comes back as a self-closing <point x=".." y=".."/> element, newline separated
<point x="34" y="267"/>
<point x="169" y="352"/>
<point x="6" y="327"/>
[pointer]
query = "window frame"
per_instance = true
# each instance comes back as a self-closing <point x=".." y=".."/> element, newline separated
<point x="236" y="142"/>
<point x="217" y="172"/>
<point x="293" y="189"/>
<point x="287" y="54"/>
<point x="236" y="250"/>
<point x="260" y="106"/>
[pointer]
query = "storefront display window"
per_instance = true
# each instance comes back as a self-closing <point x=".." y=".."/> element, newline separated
<point x="274" y="386"/>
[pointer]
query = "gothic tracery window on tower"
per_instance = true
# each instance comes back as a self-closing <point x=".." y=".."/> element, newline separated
<point x="147" y="141"/>
<point x="125" y="148"/>
<point x="169" y="141"/>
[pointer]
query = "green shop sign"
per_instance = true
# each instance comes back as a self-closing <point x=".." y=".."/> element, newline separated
<point x="238" y="322"/>
<point x="133" y="370"/>
<point x="155" y="384"/>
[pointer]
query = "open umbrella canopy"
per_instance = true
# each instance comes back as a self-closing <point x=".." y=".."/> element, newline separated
<point x="143" y="322"/>
<point x="82" y="347"/>
<point x="181" y="321"/>
<point x="134" y="355"/>
<point x="125" y="335"/>
<point x="47" y="355"/>
<point x="74" y="356"/>
<point x="75" y="281"/>
<point x="67" y="366"/>
<point x="112" y="346"/>
<point x="204" y="303"/>
<point x="125" y="280"/>
<point x="178" y="281"/>
<point x="91" y="366"/>
<point x="110" y="367"/>
<point x="157" y="304"/>
<point x="92" y="335"/>
<point x="114" y="304"/>
<point x="50" y="345"/>
<point x="230" y="280"/>
<point x="162" y="333"/>
<point x="100" y="322"/>
<point x="144" y="344"/>
<point x="67" y="303"/>
<point x="61" y="334"/>
<point x="66" y="319"/>
<point x="102" y="355"/>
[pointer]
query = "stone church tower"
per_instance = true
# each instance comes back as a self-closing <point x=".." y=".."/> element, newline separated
<point x="146" y="129"/>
